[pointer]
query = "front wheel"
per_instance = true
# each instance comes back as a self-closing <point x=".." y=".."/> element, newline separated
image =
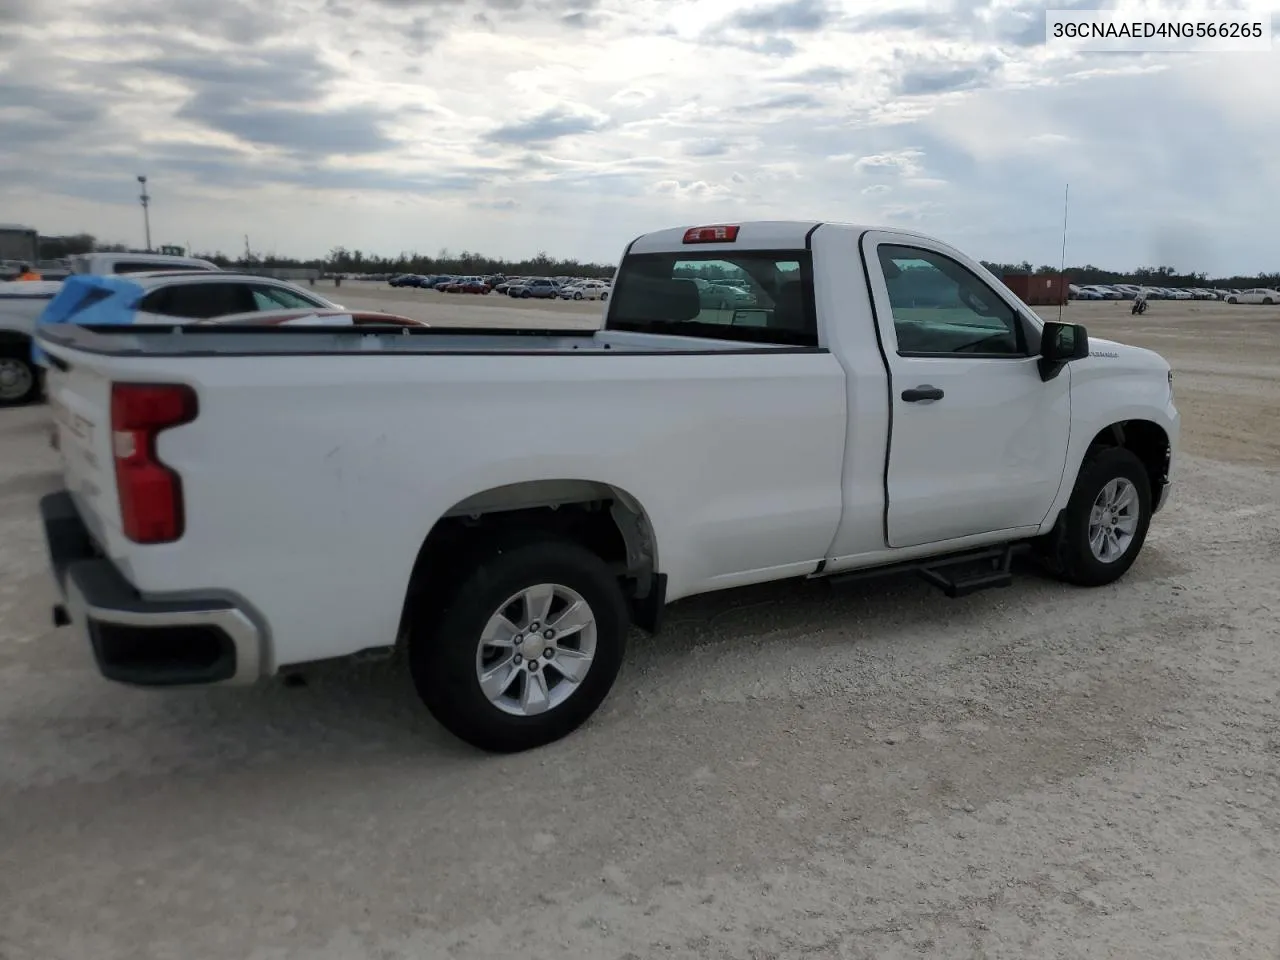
<point x="577" y="295"/>
<point x="1232" y="300"/>
<point x="1267" y="301"/>
<point x="527" y="648"/>
<point x="1100" y="533"/>
<point x="19" y="379"/>
<point x="603" y="297"/>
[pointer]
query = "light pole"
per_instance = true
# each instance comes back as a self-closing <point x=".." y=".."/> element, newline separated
<point x="146" y="215"/>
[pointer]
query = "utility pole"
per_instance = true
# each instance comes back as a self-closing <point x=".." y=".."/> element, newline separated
<point x="248" y="254"/>
<point x="146" y="214"/>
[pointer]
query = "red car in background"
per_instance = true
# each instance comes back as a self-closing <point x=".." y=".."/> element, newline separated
<point x="319" y="318"/>
<point x="468" y="285"/>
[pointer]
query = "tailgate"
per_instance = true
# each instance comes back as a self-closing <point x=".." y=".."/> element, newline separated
<point x="80" y="400"/>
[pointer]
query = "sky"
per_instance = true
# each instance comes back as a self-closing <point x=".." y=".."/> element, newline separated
<point x="511" y="127"/>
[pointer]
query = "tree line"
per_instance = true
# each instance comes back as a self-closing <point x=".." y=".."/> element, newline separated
<point x="342" y="260"/>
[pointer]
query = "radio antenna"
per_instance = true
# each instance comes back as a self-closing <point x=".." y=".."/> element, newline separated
<point x="1062" y="270"/>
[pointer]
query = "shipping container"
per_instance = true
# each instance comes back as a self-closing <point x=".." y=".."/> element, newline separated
<point x="1037" y="290"/>
<point x="20" y="244"/>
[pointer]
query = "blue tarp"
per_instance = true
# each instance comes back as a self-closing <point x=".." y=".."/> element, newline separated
<point x="89" y="298"/>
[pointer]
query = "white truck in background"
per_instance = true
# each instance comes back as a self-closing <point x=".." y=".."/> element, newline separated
<point x="21" y="303"/>
<point x="505" y="503"/>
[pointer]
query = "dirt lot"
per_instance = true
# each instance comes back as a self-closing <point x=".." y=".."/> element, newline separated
<point x="798" y="770"/>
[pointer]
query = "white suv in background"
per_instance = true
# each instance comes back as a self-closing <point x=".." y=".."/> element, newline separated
<point x="585" y="290"/>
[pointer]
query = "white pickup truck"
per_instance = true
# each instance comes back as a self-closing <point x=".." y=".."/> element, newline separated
<point x="21" y="304"/>
<point x="505" y="503"/>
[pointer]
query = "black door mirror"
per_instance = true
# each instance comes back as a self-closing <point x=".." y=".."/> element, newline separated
<point x="1064" y="342"/>
<point x="1061" y="343"/>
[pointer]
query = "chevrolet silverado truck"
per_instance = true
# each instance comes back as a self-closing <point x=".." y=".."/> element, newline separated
<point x="505" y="504"/>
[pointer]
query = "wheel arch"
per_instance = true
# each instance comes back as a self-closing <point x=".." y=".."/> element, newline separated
<point x="1140" y="432"/>
<point x="605" y="518"/>
<point x="1147" y="440"/>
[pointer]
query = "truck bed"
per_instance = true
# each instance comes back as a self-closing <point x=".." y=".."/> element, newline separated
<point x="255" y="341"/>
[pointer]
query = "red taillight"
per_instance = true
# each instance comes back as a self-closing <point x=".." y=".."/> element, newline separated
<point x="150" y="493"/>
<point x="719" y="234"/>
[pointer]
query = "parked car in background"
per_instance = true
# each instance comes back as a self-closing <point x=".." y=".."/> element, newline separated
<point x="466" y="285"/>
<point x="21" y="304"/>
<point x="315" y="318"/>
<point x="585" y="290"/>
<point x="123" y="263"/>
<point x="1263" y="295"/>
<point x="1077" y="292"/>
<point x="172" y="297"/>
<point x="543" y="288"/>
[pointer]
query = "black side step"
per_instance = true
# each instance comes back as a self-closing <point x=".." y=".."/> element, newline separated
<point x="956" y="575"/>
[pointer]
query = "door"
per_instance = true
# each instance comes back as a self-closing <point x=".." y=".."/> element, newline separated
<point x="978" y="441"/>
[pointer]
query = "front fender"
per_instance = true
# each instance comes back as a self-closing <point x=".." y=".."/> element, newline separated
<point x="1102" y="397"/>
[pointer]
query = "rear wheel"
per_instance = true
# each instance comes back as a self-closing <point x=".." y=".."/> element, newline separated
<point x="604" y="296"/>
<point x="1101" y="532"/>
<point x="1267" y="301"/>
<point x="526" y="649"/>
<point x="19" y="379"/>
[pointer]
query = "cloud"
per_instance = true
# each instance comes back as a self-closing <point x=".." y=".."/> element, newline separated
<point x="904" y="163"/>
<point x="708" y="147"/>
<point x="916" y="83"/>
<point x="548" y="125"/>
<point x="818" y="76"/>
<point x="802" y="16"/>
<point x="398" y="124"/>
<point x="330" y="132"/>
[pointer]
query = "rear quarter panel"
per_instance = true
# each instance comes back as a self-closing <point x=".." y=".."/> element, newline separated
<point x="311" y="482"/>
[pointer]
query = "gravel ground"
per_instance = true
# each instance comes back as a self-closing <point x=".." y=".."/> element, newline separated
<point x="799" y="770"/>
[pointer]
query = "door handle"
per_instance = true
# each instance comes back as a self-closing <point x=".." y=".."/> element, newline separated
<point x="923" y="392"/>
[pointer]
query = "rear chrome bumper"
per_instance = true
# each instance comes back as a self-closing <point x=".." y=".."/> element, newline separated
<point x="153" y="643"/>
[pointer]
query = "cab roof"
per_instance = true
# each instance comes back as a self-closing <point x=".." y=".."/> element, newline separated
<point x="751" y="235"/>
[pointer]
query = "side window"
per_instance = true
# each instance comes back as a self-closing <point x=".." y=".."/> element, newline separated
<point x="198" y="301"/>
<point x="278" y="298"/>
<point x="941" y="307"/>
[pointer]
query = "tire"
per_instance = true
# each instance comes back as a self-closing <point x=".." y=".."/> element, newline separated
<point x="19" y="376"/>
<point x="1232" y="300"/>
<point x="1069" y="553"/>
<point x="445" y="649"/>
<point x="604" y="297"/>
<point x="1267" y="301"/>
<point x="577" y="295"/>
<point x="524" y="294"/>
